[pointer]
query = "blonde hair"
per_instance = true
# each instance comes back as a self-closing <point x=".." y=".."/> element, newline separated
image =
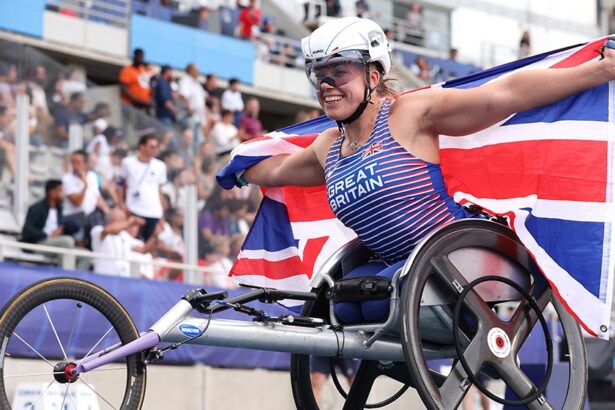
<point x="383" y="89"/>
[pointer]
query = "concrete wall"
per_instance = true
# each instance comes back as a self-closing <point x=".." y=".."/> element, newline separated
<point x="85" y="34"/>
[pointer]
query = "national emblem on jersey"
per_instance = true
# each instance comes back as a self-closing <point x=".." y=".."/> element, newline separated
<point x="373" y="148"/>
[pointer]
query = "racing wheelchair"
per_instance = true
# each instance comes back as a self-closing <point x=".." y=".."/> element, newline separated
<point x="443" y="306"/>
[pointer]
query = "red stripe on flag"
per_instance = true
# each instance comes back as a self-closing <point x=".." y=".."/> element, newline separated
<point x="285" y="268"/>
<point x="302" y="141"/>
<point x="552" y="169"/>
<point x="307" y="203"/>
<point x="588" y="52"/>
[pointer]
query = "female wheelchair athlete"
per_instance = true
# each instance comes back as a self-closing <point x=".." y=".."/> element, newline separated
<point x="452" y="282"/>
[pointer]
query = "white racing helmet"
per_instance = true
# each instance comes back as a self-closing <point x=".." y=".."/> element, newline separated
<point x="336" y="40"/>
<point x="348" y="39"/>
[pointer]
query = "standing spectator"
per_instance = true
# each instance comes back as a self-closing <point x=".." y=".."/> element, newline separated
<point x="362" y="9"/>
<point x="118" y="239"/>
<point x="82" y="195"/>
<point x="224" y="134"/>
<point x="524" y="45"/>
<point x="101" y="146"/>
<point x="249" y="125"/>
<point x="415" y="29"/>
<point x="192" y="95"/>
<point x="185" y="147"/>
<point x="166" y="109"/>
<point x="232" y="99"/>
<point x="142" y="176"/>
<point x="43" y="223"/>
<point x="65" y="116"/>
<point x="249" y="18"/>
<point x="134" y="82"/>
<point x="212" y="100"/>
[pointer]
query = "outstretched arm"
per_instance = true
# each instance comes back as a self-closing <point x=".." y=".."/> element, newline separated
<point x="303" y="168"/>
<point x="462" y="112"/>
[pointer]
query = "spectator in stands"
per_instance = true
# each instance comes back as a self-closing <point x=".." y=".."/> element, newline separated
<point x="175" y="190"/>
<point x="37" y="86"/>
<point x="212" y="101"/>
<point x="142" y="175"/>
<point x="172" y="160"/>
<point x="524" y="45"/>
<point x="201" y="9"/>
<point x="250" y="126"/>
<point x="362" y="9"/>
<point x="422" y="69"/>
<point x="333" y="8"/>
<point x="224" y="134"/>
<point x="102" y="145"/>
<point x="185" y="147"/>
<point x="7" y="147"/>
<point x="453" y="54"/>
<point x="235" y="244"/>
<point x="81" y="195"/>
<point x="118" y="239"/>
<point x="249" y="20"/>
<point x="66" y="115"/>
<point x="170" y="239"/>
<point x="232" y="100"/>
<point x="192" y="95"/>
<point x="214" y="220"/>
<point x="166" y="109"/>
<point x="219" y="265"/>
<point x="44" y="223"/>
<point x="135" y="82"/>
<point x="415" y="30"/>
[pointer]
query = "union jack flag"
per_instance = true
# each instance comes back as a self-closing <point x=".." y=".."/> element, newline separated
<point x="550" y="170"/>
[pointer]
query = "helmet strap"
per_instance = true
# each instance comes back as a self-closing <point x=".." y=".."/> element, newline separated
<point x="366" y="100"/>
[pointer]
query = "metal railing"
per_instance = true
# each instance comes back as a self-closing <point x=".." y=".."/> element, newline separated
<point x="114" y="12"/>
<point x="68" y="259"/>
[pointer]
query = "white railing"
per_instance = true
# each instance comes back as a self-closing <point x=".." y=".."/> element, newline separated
<point x="68" y="259"/>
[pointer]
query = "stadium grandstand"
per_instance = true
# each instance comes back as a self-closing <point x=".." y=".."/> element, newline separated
<point x="90" y="88"/>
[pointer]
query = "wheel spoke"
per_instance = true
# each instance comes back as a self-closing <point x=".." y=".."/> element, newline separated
<point x="64" y="398"/>
<point x="362" y="385"/>
<point x="55" y="332"/>
<point x="456" y="384"/>
<point x="519" y="383"/>
<point x="74" y="325"/>
<point x="96" y="393"/>
<point x="33" y="349"/>
<point x="447" y="271"/>
<point x="40" y="395"/>
<point x="94" y="347"/>
<point x="14" y="376"/>
<point x="524" y="319"/>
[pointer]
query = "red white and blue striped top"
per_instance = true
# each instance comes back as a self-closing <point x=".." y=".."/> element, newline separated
<point x="389" y="197"/>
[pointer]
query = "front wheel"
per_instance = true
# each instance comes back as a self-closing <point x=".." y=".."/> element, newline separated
<point x="46" y="330"/>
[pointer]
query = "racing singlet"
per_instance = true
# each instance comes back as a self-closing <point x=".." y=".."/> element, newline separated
<point x="389" y="197"/>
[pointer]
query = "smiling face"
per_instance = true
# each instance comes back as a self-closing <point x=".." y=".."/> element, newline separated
<point x="341" y="101"/>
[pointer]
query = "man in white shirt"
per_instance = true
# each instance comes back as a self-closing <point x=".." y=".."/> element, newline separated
<point x="193" y="96"/>
<point x="81" y="194"/>
<point x="117" y="239"/>
<point x="142" y="176"/>
<point x="232" y="100"/>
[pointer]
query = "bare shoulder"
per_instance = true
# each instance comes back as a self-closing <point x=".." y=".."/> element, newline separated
<point x="323" y="142"/>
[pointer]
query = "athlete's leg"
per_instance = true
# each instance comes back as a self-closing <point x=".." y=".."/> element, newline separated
<point x="350" y="312"/>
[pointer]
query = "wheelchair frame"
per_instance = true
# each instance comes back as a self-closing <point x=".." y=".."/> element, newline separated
<point x="297" y="334"/>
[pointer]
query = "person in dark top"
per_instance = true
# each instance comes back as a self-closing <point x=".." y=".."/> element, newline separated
<point x="166" y="109"/>
<point x="43" y="223"/>
<point x="65" y="115"/>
